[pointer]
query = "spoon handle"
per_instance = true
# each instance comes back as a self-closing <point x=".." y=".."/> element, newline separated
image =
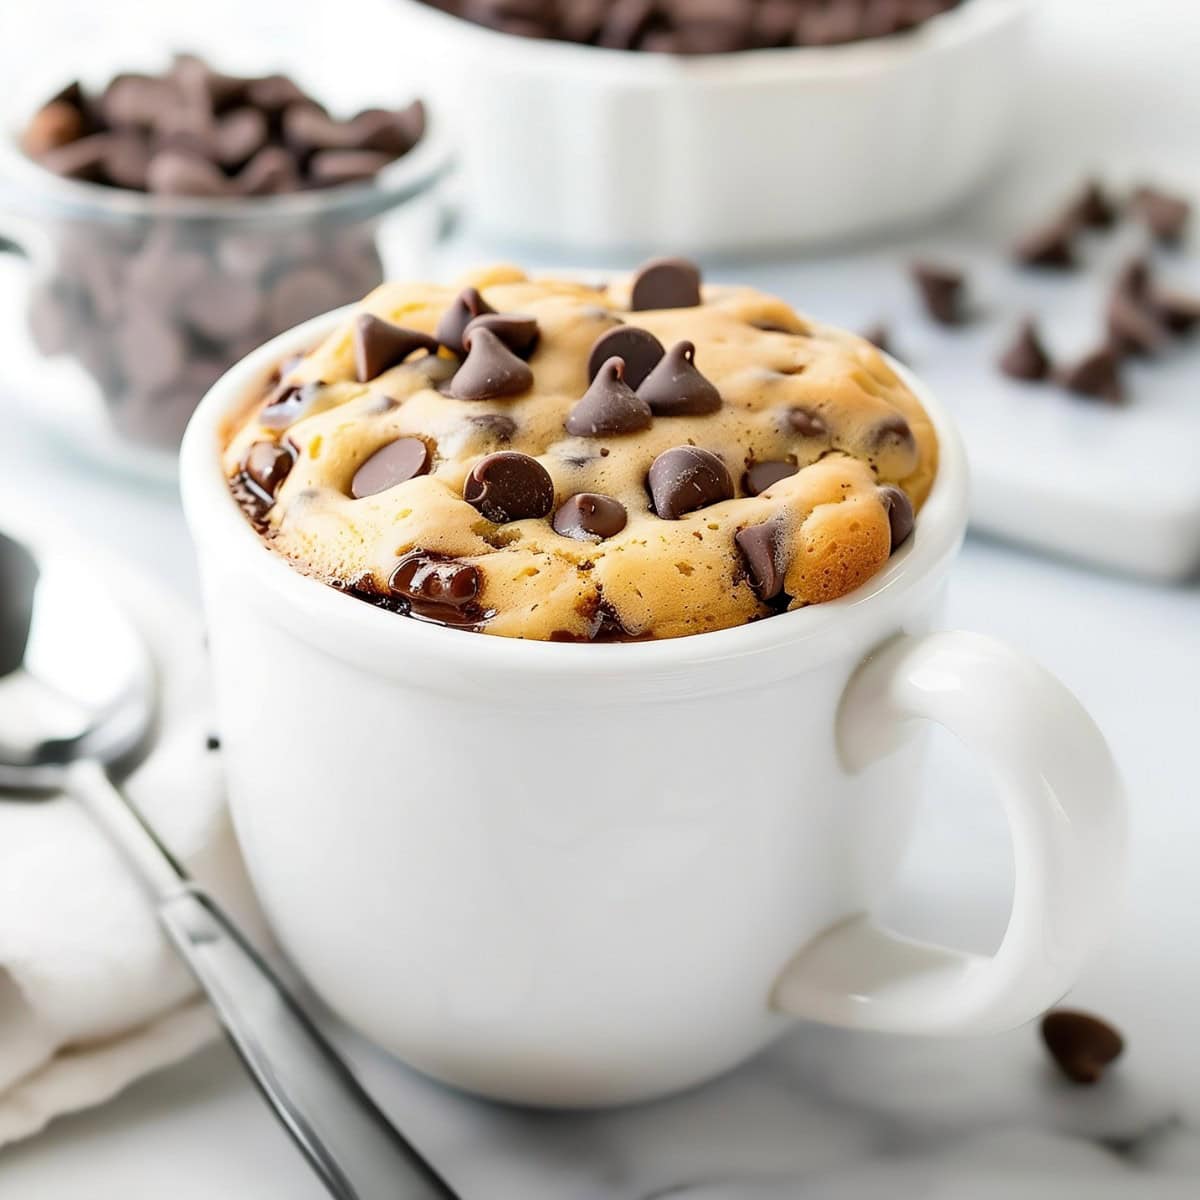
<point x="354" y="1149"/>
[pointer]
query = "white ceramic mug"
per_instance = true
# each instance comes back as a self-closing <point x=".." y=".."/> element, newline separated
<point x="583" y="874"/>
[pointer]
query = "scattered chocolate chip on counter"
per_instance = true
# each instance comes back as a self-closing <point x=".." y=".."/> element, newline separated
<point x="1164" y="214"/>
<point x="1050" y="245"/>
<point x="1082" y="1045"/>
<point x="1026" y="357"/>
<point x="698" y="26"/>
<point x="1096" y="375"/>
<point x="942" y="290"/>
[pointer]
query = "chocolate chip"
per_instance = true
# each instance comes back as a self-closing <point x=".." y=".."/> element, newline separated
<point x="1092" y="208"/>
<point x="589" y="517"/>
<point x="212" y="742"/>
<point x="1081" y="1045"/>
<point x="330" y="168"/>
<point x="638" y="348"/>
<point x="398" y="461"/>
<point x="518" y="333"/>
<point x="508" y="486"/>
<point x="760" y="476"/>
<point x="86" y="159"/>
<point x="609" y="406"/>
<point x="271" y="171"/>
<point x="267" y="465"/>
<point x="490" y="370"/>
<point x="900" y="513"/>
<point x="127" y="163"/>
<point x="239" y="136"/>
<point x="625" y="23"/>
<point x="666" y="283"/>
<point x="686" y="478"/>
<point x="892" y="432"/>
<point x="941" y="290"/>
<point x="180" y="173"/>
<point x="378" y="345"/>
<point x="1097" y="374"/>
<point x="675" y="388"/>
<point x="1050" y="245"/>
<point x="290" y="404"/>
<point x="1026" y="357"/>
<point x="494" y="425"/>
<point x="468" y="305"/>
<point x="807" y="423"/>
<point x="1179" y="312"/>
<point x="273" y="93"/>
<point x="1134" y="277"/>
<point x="1133" y="325"/>
<point x="1166" y="215"/>
<point x="760" y="547"/>
<point x="53" y="125"/>
<point x="437" y="588"/>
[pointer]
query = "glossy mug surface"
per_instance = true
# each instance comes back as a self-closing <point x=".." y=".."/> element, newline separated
<point x="585" y="874"/>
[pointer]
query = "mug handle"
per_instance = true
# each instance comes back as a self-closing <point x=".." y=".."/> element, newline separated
<point x="1065" y="808"/>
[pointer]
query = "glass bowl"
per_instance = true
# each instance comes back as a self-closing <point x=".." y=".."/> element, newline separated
<point x="129" y="305"/>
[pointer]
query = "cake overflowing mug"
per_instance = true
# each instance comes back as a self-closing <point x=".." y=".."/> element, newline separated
<point x="568" y="874"/>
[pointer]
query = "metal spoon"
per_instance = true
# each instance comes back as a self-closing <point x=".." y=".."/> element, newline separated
<point x="78" y="702"/>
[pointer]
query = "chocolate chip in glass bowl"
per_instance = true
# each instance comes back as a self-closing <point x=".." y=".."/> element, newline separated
<point x="760" y="546"/>
<point x="467" y="305"/>
<point x="686" y="478"/>
<point x="509" y="486"/>
<point x="761" y="476"/>
<point x="519" y="333"/>
<point x="609" y="406"/>
<point x="666" y="283"/>
<point x="378" y="345"/>
<point x="675" y="388"/>
<point x="590" y="517"/>
<point x="638" y="349"/>
<point x="900" y="513"/>
<point x="398" y="461"/>
<point x="490" y="370"/>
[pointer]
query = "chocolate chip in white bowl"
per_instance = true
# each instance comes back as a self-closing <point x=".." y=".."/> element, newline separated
<point x="290" y="404"/>
<point x="900" y="513"/>
<point x="398" y="461"/>
<point x="807" y="423"/>
<point x="509" y="486"/>
<point x="760" y="476"/>
<point x="638" y="349"/>
<point x="666" y="283"/>
<point x="490" y="370"/>
<point x="379" y="345"/>
<point x="437" y="588"/>
<point x="609" y="407"/>
<point x="590" y="517"/>
<point x="686" y="478"/>
<point x="519" y="333"/>
<point x="675" y="388"/>
<point x="761" y="547"/>
<point x="467" y="305"/>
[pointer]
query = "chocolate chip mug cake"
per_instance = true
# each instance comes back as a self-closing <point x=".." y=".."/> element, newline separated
<point x="547" y="459"/>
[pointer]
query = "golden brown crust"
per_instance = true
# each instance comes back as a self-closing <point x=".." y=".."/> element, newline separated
<point x="656" y="577"/>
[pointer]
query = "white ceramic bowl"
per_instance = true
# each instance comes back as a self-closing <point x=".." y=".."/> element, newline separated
<point x="607" y="151"/>
<point x="581" y="874"/>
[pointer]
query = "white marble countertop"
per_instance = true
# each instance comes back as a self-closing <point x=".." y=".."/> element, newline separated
<point x="824" y="1114"/>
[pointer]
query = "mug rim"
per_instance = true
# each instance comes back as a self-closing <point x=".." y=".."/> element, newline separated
<point x="810" y="635"/>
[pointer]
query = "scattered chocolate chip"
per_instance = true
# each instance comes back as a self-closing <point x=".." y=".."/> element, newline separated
<point x="609" y="406"/>
<point x="437" y="588"/>
<point x="290" y="404"/>
<point x="468" y="305"/>
<point x="508" y="486"/>
<point x="638" y="348"/>
<point x="666" y="283"/>
<point x="807" y="423"/>
<point x="1050" y="245"/>
<point x="1092" y="208"/>
<point x="267" y="465"/>
<point x="1166" y="215"/>
<point x="1134" y="278"/>
<point x="490" y="370"/>
<point x="1026" y="357"/>
<point x="518" y="333"/>
<point x="941" y="290"/>
<point x="686" y="478"/>
<point x="1178" y="311"/>
<point x="590" y="517"/>
<point x="675" y="388"/>
<point x="900" y="513"/>
<point x="378" y="345"/>
<point x="1133" y="325"/>
<point x="1081" y="1045"/>
<point x="1097" y="374"/>
<point x="760" y="547"/>
<point x="397" y="462"/>
<point x="55" y="124"/>
<point x="760" y="476"/>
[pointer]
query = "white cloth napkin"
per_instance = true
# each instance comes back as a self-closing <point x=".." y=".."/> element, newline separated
<point x="91" y="994"/>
